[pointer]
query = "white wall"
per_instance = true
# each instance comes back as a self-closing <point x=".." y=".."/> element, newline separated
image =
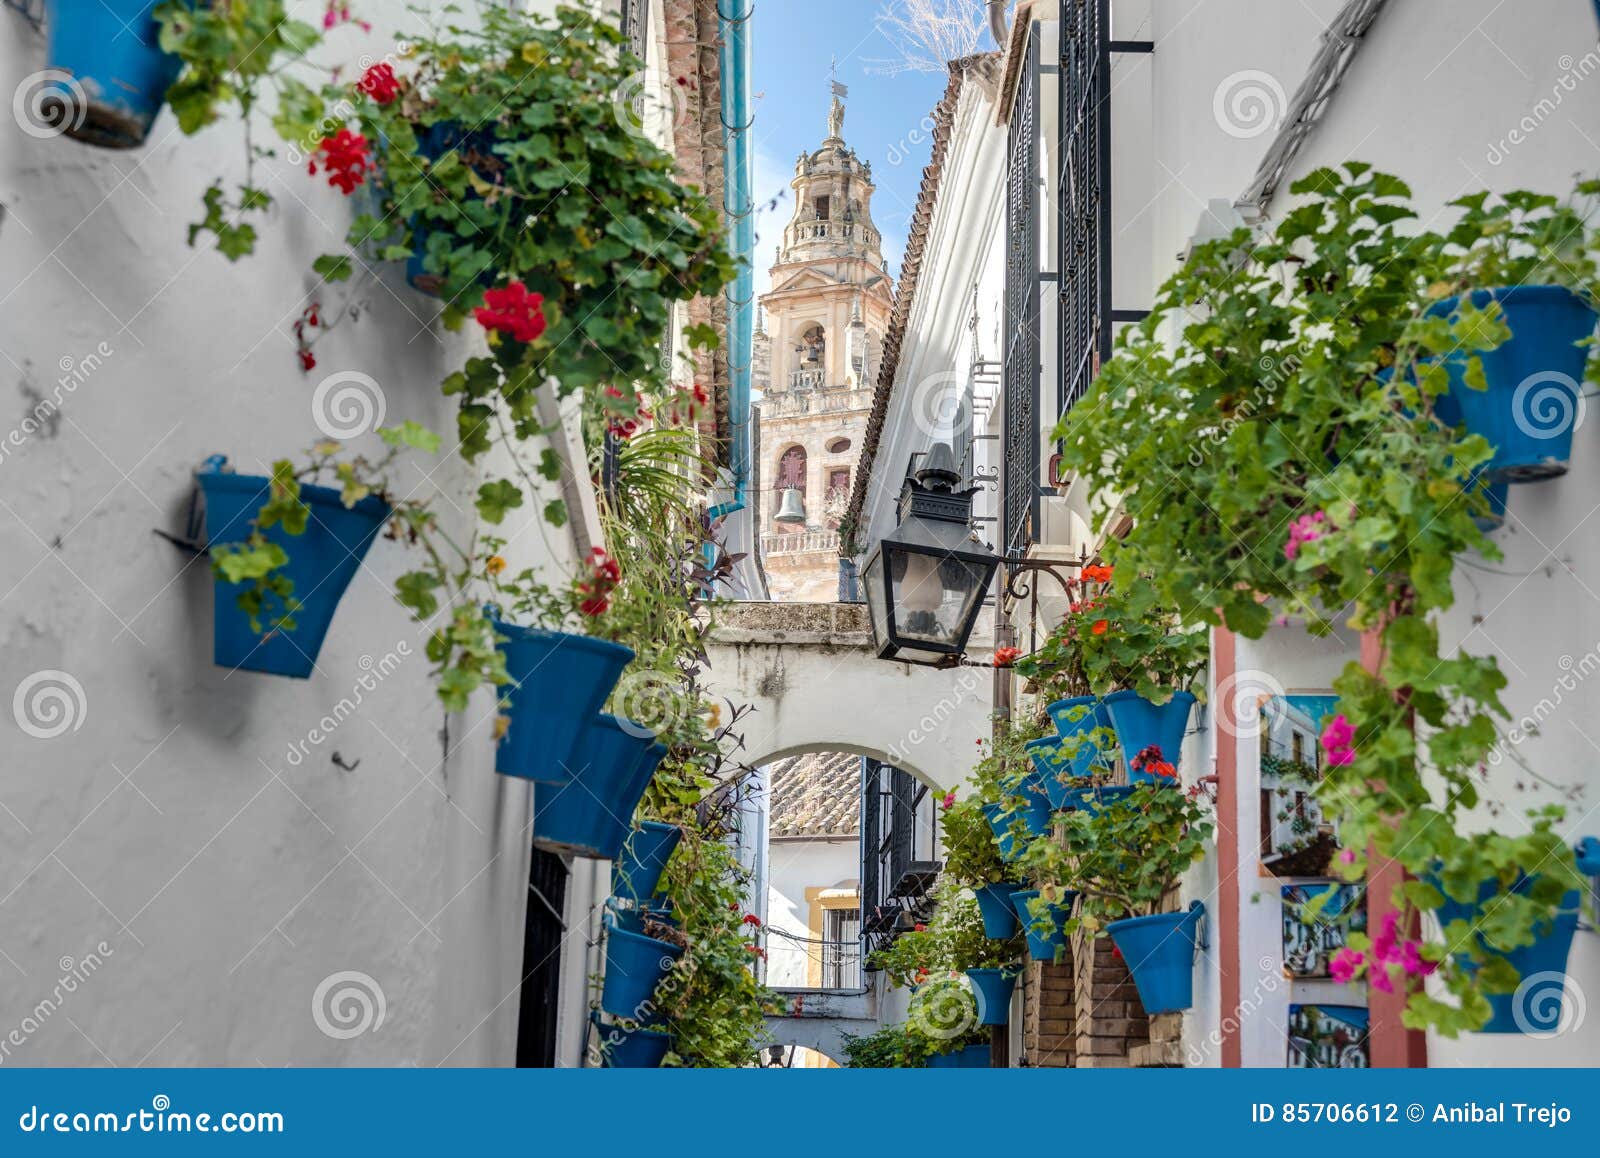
<point x="1452" y="98"/>
<point x="226" y="881"/>
<point x="793" y="867"/>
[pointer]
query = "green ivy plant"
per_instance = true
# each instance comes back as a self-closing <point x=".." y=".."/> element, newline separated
<point x="1271" y="430"/>
<point x="232" y="52"/>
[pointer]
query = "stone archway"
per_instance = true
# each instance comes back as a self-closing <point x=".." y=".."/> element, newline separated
<point x="810" y="673"/>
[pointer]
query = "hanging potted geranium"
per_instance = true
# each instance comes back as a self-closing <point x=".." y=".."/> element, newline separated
<point x="636" y="963"/>
<point x="282" y="553"/>
<point x="1531" y="305"/>
<point x="972" y="859"/>
<point x="1124" y="860"/>
<point x="1044" y="919"/>
<point x="644" y="858"/>
<point x="1141" y="658"/>
<point x="610" y="767"/>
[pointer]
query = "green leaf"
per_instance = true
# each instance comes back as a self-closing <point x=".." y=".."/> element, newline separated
<point x="496" y="498"/>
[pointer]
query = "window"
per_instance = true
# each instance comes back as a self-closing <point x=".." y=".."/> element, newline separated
<point x="841" y="949"/>
<point x="792" y="469"/>
<point x="822" y="209"/>
<point x="838" y="446"/>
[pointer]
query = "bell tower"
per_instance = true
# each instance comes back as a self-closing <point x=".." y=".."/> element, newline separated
<point x="825" y="318"/>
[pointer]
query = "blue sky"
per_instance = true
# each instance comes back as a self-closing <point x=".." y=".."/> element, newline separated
<point x="885" y="121"/>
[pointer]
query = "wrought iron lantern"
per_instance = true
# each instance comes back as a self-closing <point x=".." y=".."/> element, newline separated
<point x="926" y="581"/>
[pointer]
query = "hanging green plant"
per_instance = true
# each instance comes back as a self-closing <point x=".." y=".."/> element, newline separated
<point x="1275" y="430"/>
<point x="234" y="54"/>
<point x="512" y="176"/>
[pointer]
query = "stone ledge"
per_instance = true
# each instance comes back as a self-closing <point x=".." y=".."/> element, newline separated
<point x="813" y="624"/>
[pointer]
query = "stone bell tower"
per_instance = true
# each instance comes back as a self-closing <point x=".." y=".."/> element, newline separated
<point x="822" y="337"/>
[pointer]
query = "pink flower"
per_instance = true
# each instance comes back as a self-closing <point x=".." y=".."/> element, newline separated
<point x="1305" y="529"/>
<point x="949" y="800"/>
<point x="1344" y="965"/>
<point x="1378" y="978"/>
<point x="1348" y="856"/>
<point x="1338" y="741"/>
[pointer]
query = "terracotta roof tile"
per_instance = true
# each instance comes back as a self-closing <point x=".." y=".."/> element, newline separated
<point x="818" y="794"/>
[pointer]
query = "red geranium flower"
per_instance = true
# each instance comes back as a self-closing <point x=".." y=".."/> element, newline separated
<point x="1006" y="656"/>
<point x="512" y="310"/>
<point x="753" y="920"/>
<point x="1100" y="627"/>
<point x="379" y="83"/>
<point x="346" y="157"/>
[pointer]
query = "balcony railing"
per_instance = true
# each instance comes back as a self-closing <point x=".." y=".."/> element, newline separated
<point x="835" y="400"/>
<point x="799" y="542"/>
<point x="807" y="379"/>
<point x="831" y="231"/>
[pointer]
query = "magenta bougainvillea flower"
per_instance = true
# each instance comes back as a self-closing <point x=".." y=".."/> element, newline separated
<point x="1338" y="741"/>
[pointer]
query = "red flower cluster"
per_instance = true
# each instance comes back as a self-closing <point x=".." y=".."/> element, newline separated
<point x="347" y="158"/>
<point x="310" y="318"/>
<point x="604" y="575"/>
<point x="514" y="311"/>
<point x="1006" y="656"/>
<point x="1094" y="573"/>
<point x="687" y="405"/>
<point x="752" y="920"/>
<point x="380" y="83"/>
<point x="1150" y="760"/>
<point x="625" y="426"/>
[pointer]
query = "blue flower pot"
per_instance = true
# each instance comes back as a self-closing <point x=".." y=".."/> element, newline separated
<point x="635" y="965"/>
<point x="1051" y="767"/>
<point x="1537" y="1007"/>
<point x="620" y="823"/>
<point x="631" y="1049"/>
<point x="993" y="988"/>
<point x="1139" y="724"/>
<point x="433" y="142"/>
<point x="994" y="903"/>
<point x="119" y="75"/>
<point x="589" y="813"/>
<point x="1076" y="718"/>
<point x="1531" y="406"/>
<point x="972" y="1057"/>
<point x="558" y="683"/>
<point x="1043" y="947"/>
<point x="322" y="561"/>
<point x="1159" y="951"/>
<point x="643" y="860"/>
<point x="633" y="920"/>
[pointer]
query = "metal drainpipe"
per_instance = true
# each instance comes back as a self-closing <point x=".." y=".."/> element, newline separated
<point x="733" y="19"/>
